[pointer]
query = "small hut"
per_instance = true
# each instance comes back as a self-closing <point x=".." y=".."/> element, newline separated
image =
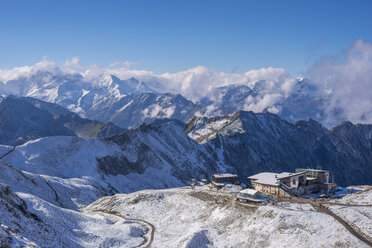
<point x="220" y="180"/>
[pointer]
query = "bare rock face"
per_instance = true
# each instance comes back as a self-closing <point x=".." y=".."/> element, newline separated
<point x="111" y="165"/>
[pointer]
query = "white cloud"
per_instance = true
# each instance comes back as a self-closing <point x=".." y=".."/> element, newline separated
<point x="197" y="82"/>
<point x="288" y="86"/>
<point x="72" y="62"/>
<point x="192" y="83"/>
<point x="348" y="77"/>
<point x="25" y="71"/>
<point x="263" y="102"/>
<point x="156" y="110"/>
<point x="269" y="74"/>
<point x="125" y="64"/>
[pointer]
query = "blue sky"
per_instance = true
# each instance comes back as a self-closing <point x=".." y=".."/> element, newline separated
<point x="170" y="36"/>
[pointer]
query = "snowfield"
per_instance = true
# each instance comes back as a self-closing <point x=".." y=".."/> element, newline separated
<point x="61" y="156"/>
<point x="361" y="197"/>
<point x="29" y="221"/>
<point x="358" y="217"/>
<point x="64" y="169"/>
<point x="359" y="212"/>
<point x="202" y="218"/>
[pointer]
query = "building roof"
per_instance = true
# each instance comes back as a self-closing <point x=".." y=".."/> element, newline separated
<point x="248" y="191"/>
<point x="250" y="195"/>
<point x="224" y="175"/>
<point x="317" y="170"/>
<point x="290" y="174"/>
<point x="268" y="178"/>
<point x="283" y="175"/>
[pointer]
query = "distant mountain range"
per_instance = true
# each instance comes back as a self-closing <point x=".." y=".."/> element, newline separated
<point x="303" y="103"/>
<point x="128" y="103"/>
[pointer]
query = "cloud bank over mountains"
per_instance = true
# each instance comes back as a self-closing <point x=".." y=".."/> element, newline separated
<point x="192" y="83"/>
<point x="348" y="79"/>
<point x="343" y="82"/>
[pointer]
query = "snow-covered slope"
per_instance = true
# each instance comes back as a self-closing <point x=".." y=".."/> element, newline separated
<point x="52" y="177"/>
<point x="157" y="155"/>
<point x="29" y="221"/>
<point x="200" y="217"/>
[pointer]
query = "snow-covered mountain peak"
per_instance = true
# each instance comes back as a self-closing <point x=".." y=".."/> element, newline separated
<point x="120" y="87"/>
<point x="108" y="79"/>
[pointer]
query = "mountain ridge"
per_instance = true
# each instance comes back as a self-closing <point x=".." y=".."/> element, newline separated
<point x="23" y="119"/>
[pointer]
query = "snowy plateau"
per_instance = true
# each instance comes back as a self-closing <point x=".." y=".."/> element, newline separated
<point x="108" y="162"/>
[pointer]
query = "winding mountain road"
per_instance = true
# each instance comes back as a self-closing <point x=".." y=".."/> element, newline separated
<point x="152" y="233"/>
<point x="148" y="241"/>
<point x="320" y="206"/>
<point x="348" y="204"/>
<point x="362" y="237"/>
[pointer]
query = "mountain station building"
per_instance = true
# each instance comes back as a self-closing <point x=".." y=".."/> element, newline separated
<point x="303" y="181"/>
